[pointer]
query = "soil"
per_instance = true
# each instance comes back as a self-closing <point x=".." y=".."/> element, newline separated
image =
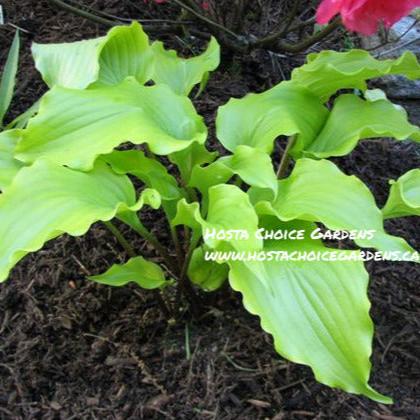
<point x="73" y="349"/>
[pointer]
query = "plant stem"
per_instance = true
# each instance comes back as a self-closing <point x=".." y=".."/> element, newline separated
<point x="131" y="253"/>
<point x="184" y="284"/>
<point x="146" y="234"/>
<point x="285" y="159"/>
<point x="120" y="238"/>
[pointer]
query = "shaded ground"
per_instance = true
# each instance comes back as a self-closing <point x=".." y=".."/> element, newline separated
<point x="73" y="349"/>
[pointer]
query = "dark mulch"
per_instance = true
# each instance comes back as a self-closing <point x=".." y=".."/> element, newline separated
<point x="73" y="349"/>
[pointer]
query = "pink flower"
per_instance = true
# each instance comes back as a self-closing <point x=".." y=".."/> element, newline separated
<point x="364" y="16"/>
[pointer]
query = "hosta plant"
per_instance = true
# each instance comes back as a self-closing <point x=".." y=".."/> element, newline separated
<point x="66" y="170"/>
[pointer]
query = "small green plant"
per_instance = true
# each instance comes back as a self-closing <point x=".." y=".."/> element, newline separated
<point x="8" y="78"/>
<point x="63" y="171"/>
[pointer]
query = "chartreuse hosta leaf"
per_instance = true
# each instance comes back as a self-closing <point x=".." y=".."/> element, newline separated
<point x="148" y="170"/>
<point x="183" y="74"/>
<point x="208" y="275"/>
<point x="9" y="166"/>
<point x="252" y="165"/>
<point x="123" y="52"/>
<point x="126" y="52"/>
<point x="328" y="71"/>
<point x="353" y="119"/>
<point x="8" y="77"/>
<point x="187" y="159"/>
<point x="257" y="119"/>
<point x="74" y="126"/>
<point x="316" y="311"/>
<point x="230" y="210"/>
<point x="62" y="200"/>
<point x="145" y="274"/>
<point x="318" y="191"/>
<point x="404" y="197"/>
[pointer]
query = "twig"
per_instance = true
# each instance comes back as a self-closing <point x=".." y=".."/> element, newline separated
<point x="289" y="20"/>
<point x="205" y="18"/>
<point x="272" y="42"/>
<point x="83" y="13"/>
<point x="383" y="44"/>
<point x="413" y="41"/>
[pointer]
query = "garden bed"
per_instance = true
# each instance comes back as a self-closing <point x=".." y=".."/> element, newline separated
<point x="70" y="348"/>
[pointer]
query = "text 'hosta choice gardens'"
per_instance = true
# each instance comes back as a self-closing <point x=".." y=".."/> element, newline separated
<point x="62" y="169"/>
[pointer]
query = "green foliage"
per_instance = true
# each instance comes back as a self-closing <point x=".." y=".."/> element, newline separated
<point x="404" y="197"/>
<point x="317" y="191"/>
<point x="68" y="167"/>
<point x="125" y="51"/>
<point x="144" y="273"/>
<point x="8" y="78"/>
<point x="330" y="71"/>
<point x="317" y="313"/>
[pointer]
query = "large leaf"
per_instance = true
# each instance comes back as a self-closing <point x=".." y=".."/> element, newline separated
<point x="74" y="126"/>
<point x="404" y="197"/>
<point x="9" y="166"/>
<point x="148" y="170"/>
<point x="229" y="213"/>
<point x="123" y="52"/>
<point x="258" y="119"/>
<point x="328" y="71"/>
<point x="8" y="78"/>
<point x="252" y="165"/>
<point x="46" y="200"/>
<point x="145" y="274"/>
<point x="318" y="191"/>
<point x="72" y="65"/>
<point x="180" y="74"/>
<point x="317" y="313"/>
<point x="353" y="119"/>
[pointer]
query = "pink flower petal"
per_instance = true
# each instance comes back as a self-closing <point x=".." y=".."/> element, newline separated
<point x="364" y="16"/>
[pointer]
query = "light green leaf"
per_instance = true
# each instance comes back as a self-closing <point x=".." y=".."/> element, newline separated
<point x="148" y="170"/>
<point x="353" y="119"/>
<point x="329" y="71"/>
<point x="22" y="120"/>
<point x="252" y="165"/>
<point x="9" y="166"/>
<point x="317" y="313"/>
<point x="208" y="275"/>
<point x="258" y="119"/>
<point x="61" y="201"/>
<point x="194" y="155"/>
<point x="229" y="210"/>
<point x="73" y="65"/>
<point x="74" y="126"/>
<point x="145" y="274"/>
<point x="8" y="78"/>
<point x="123" y="52"/>
<point x="318" y="191"/>
<point x="404" y="197"/>
<point x="180" y="74"/>
<point x="126" y="52"/>
<point x="188" y="214"/>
